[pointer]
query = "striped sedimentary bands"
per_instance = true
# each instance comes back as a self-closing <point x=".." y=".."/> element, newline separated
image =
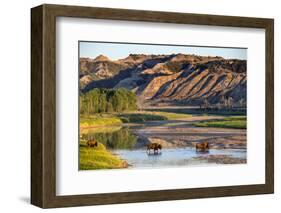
<point x="169" y="79"/>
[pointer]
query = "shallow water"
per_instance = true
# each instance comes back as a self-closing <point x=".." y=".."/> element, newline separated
<point x="175" y="157"/>
<point x="130" y="144"/>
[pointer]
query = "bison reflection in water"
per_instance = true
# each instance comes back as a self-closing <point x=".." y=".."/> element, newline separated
<point x="156" y="147"/>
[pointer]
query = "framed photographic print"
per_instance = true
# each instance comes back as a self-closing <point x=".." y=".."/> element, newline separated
<point x="137" y="106"/>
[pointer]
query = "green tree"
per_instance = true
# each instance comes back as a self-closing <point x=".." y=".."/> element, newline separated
<point x="107" y="100"/>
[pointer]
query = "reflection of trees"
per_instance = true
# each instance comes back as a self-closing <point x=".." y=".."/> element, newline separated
<point x="121" y="139"/>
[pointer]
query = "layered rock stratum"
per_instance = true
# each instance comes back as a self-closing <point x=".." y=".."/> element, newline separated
<point x="169" y="79"/>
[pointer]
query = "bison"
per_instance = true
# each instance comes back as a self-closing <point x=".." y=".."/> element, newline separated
<point x="155" y="147"/>
<point x="202" y="147"/>
<point x="92" y="143"/>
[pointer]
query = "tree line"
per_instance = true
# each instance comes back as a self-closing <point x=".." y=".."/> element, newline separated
<point x="107" y="101"/>
<point x="224" y="103"/>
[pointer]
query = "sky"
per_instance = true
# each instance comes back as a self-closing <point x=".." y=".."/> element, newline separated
<point x="116" y="51"/>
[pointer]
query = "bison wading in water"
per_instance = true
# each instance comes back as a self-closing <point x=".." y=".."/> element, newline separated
<point x="92" y="143"/>
<point x="202" y="147"/>
<point x="156" y="147"/>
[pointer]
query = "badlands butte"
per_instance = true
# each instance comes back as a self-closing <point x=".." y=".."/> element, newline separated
<point x="167" y="80"/>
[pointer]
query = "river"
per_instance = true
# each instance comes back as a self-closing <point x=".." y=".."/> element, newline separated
<point x="178" y="139"/>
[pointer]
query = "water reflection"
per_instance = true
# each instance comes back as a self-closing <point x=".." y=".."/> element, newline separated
<point x="112" y="138"/>
<point x="181" y="157"/>
<point x="131" y="145"/>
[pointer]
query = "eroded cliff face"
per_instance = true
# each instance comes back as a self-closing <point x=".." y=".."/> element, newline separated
<point x="169" y="79"/>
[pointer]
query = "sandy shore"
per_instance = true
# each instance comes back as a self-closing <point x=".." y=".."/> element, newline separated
<point x="181" y="133"/>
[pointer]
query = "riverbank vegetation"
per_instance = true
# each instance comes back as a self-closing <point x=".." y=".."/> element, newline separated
<point x="112" y="107"/>
<point x="99" y="120"/>
<point x="116" y="119"/>
<point x="98" y="158"/>
<point x="236" y="122"/>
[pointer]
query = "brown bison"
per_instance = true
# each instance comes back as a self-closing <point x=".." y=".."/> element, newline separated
<point x="202" y="146"/>
<point x="156" y="147"/>
<point x="92" y="143"/>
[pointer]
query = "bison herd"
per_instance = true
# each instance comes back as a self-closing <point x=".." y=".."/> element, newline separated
<point x="157" y="147"/>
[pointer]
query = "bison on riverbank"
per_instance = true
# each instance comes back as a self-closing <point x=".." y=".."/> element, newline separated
<point x="92" y="143"/>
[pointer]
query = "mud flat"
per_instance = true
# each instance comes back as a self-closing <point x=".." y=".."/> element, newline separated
<point x="181" y="133"/>
<point x="220" y="159"/>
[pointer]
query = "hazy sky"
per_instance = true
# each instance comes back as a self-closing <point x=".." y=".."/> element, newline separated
<point x="116" y="51"/>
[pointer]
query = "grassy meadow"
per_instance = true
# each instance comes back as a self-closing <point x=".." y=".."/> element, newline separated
<point x="116" y="119"/>
<point x="99" y="120"/>
<point x="98" y="158"/>
<point x="236" y="122"/>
